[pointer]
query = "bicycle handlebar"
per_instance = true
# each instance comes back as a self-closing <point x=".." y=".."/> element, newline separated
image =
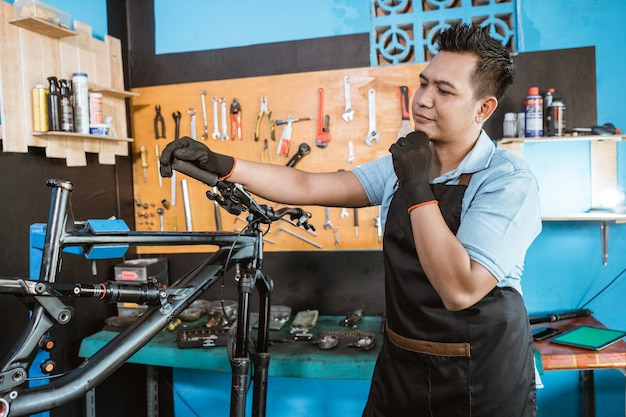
<point x="235" y="199"/>
<point x="194" y="172"/>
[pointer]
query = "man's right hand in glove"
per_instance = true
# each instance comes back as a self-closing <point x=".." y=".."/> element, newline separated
<point x="187" y="149"/>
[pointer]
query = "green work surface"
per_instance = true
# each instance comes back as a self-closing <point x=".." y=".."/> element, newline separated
<point x="298" y="359"/>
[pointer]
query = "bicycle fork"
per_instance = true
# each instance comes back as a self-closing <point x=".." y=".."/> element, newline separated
<point x="246" y="351"/>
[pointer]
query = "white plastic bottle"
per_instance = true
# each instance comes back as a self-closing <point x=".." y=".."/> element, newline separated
<point x="81" y="103"/>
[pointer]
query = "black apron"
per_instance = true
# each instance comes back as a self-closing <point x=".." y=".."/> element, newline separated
<point x="476" y="362"/>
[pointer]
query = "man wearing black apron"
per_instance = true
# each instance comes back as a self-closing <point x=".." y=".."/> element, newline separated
<point x="458" y="216"/>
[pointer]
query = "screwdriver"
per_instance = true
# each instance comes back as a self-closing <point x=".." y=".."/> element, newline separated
<point x="356" y="222"/>
<point x="144" y="163"/>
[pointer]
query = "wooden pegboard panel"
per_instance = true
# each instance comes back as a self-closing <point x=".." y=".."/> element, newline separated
<point x="294" y="95"/>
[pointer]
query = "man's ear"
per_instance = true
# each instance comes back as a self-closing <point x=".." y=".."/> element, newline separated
<point x="487" y="106"/>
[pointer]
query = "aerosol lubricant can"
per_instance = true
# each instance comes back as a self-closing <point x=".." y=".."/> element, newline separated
<point x="81" y="103"/>
<point x="556" y="125"/>
<point x="533" y="113"/>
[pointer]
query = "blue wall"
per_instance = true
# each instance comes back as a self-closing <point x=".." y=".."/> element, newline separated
<point x="563" y="268"/>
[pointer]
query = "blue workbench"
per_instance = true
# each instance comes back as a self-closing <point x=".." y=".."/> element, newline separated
<point x="304" y="380"/>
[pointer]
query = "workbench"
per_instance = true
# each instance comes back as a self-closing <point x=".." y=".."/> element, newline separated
<point x="303" y="379"/>
<point x="299" y="371"/>
<point x="556" y="357"/>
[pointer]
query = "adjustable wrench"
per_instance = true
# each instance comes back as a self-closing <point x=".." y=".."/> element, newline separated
<point x="348" y="113"/>
<point x="216" y="131"/>
<point x="224" y="135"/>
<point x="372" y="134"/>
<point x="205" y="134"/>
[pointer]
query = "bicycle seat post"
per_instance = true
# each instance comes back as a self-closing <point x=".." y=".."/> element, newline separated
<point x="56" y="227"/>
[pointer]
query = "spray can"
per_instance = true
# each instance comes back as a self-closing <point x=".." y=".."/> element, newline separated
<point x="533" y="113"/>
<point x="81" y="103"/>
<point x="547" y="102"/>
<point x="556" y="110"/>
<point x="40" y="108"/>
<point x="67" y="110"/>
<point x="54" y="105"/>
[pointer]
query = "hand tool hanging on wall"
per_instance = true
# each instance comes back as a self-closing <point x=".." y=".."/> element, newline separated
<point x="356" y="222"/>
<point x="235" y="120"/>
<point x="176" y="115"/>
<point x="379" y="225"/>
<point x="266" y="155"/>
<point x="405" y="129"/>
<point x="224" y="136"/>
<point x="327" y="224"/>
<point x="157" y="152"/>
<point x="264" y="111"/>
<point x="350" y="158"/>
<point x="348" y="113"/>
<point x="205" y="134"/>
<point x="191" y="111"/>
<point x="322" y="137"/>
<point x="285" y="138"/>
<point x="144" y="162"/>
<point x="296" y="235"/>
<point x="303" y="149"/>
<point x="159" y="122"/>
<point x="216" y="129"/>
<point x="372" y="134"/>
<point x="186" y="205"/>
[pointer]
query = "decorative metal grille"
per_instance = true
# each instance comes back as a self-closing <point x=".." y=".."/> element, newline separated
<point x="404" y="31"/>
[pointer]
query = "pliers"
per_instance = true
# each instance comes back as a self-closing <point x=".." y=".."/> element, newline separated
<point x="262" y="112"/>
<point x="158" y="119"/>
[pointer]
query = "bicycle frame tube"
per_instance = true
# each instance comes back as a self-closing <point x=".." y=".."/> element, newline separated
<point x="243" y="249"/>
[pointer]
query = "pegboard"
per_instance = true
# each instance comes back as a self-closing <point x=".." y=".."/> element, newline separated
<point x="295" y="95"/>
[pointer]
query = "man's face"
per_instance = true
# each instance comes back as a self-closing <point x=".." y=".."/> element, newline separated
<point x="444" y="107"/>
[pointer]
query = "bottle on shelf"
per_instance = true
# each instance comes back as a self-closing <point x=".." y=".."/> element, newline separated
<point x="40" y="108"/>
<point x="547" y="102"/>
<point x="556" y="119"/>
<point x="81" y="103"/>
<point x="54" y="105"/>
<point x="67" y="109"/>
<point x="533" y="113"/>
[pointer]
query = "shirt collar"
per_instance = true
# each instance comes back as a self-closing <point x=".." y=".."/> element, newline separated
<point x="477" y="159"/>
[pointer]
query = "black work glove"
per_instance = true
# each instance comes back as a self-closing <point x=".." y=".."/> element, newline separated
<point x="412" y="161"/>
<point x="187" y="149"/>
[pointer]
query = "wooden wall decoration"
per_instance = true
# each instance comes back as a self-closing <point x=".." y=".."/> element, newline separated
<point x="33" y="50"/>
<point x="295" y="95"/>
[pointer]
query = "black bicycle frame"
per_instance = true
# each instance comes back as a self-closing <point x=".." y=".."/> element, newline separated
<point x="244" y="250"/>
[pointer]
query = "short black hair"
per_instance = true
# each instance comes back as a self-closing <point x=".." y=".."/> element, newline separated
<point x="495" y="69"/>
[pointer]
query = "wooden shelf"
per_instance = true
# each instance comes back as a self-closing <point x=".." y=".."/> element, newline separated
<point x="81" y="136"/>
<point x="43" y="27"/>
<point x="114" y="92"/>
<point x="615" y="138"/>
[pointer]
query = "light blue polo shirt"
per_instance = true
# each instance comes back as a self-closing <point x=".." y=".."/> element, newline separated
<point x="500" y="216"/>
